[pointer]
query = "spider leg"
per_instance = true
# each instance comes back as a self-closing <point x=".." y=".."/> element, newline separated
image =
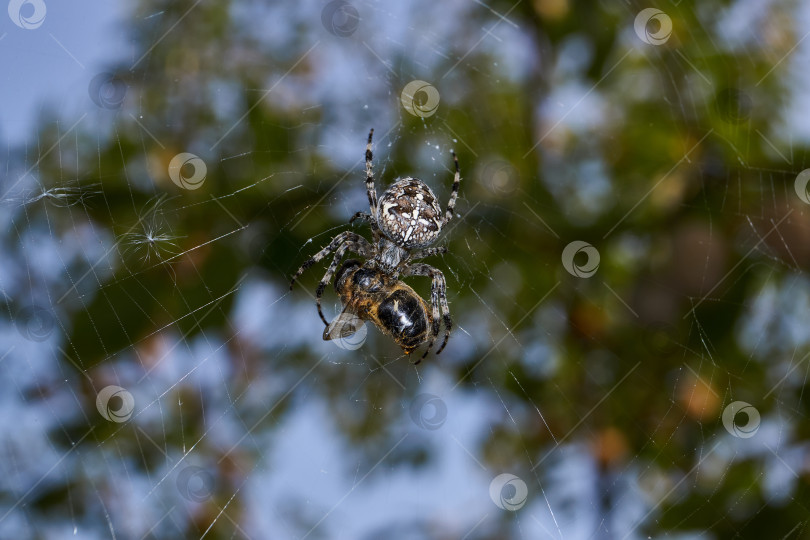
<point x="438" y="297"/>
<point x="372" y="192"/>
<point x="361" y="215"/>
<point x="327" y="277"/>
<point x="421" y="254"/>
<point x="346" y="236"/>
<point x="434" y="331"/>
<point x="451" y="205"/>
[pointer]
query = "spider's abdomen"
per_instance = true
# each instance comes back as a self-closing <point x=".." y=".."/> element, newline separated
<point x="409" y="214"/>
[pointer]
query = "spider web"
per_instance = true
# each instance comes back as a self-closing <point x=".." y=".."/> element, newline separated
<point x="159" y="380"/>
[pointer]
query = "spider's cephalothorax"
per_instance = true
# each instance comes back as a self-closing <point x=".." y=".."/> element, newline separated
<point x="404" y="222"/>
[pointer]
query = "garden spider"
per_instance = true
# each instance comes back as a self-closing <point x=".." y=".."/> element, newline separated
<point x="404" y="221"/>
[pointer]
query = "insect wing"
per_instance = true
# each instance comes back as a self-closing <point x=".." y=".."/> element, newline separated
<point x="347" y="330"/>
<point x="343" y="326"/>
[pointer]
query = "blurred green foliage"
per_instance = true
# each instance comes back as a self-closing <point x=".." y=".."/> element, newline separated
<point x="681" y="131"/>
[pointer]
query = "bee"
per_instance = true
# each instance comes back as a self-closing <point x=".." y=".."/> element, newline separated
<point x="369" y="294"/>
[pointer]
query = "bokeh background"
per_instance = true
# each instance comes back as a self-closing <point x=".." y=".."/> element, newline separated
<point x="627" y="269"/>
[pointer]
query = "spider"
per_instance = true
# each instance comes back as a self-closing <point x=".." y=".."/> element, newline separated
<point x="404" y="222"/>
